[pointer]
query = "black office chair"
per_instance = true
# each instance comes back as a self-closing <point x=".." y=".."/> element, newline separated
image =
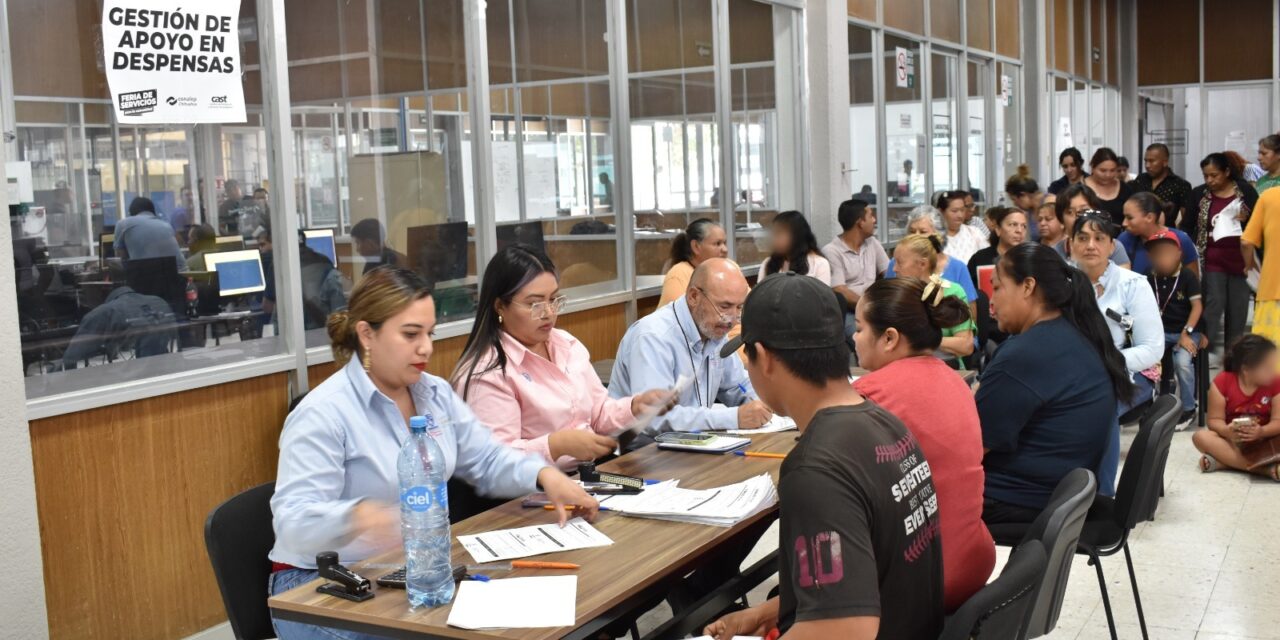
<point x="1002" y="609"/>
<point x="1057" y="528"/>
<point x="1106" y="532"/>
<point x="238" y="536"/>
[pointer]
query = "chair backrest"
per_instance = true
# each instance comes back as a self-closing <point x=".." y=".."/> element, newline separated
<point x="238" y="536"/>
<point x="1058" y="529"/>
<point x="1139" y="488"/>
<point x="1002" y="609"/>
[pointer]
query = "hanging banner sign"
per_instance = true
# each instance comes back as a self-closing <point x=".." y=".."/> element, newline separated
<point x="173" y="63"/>
<point x="905" y="68"/>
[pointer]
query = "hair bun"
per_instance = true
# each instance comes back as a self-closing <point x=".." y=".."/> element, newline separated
<point x="1023" y="171"/>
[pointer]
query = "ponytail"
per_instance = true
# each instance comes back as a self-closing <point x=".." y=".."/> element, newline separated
<point x="682" y="245"/>
<point x="1066" y="289"/>
<point x="902" y="303"/>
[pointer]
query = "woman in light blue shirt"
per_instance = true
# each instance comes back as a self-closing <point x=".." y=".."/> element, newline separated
<point x="337" y="488"/>
<point x="1129" y="306"/>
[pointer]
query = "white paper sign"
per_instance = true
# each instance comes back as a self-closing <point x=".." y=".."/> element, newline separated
<point x="905" y="74"/>
<point x="173" y="63"/>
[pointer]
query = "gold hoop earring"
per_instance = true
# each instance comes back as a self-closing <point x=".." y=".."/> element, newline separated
<point x="368" y="360"/>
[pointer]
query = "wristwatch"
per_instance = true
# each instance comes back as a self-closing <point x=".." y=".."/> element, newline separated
<point x="1188" y="330"/>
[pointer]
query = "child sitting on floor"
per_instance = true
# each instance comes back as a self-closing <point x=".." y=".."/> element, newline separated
<point x="1177" y="292"/>
<point x="1242" y="433"/>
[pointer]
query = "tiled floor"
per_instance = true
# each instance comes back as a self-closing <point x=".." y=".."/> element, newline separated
<point x="1208" y="566"/>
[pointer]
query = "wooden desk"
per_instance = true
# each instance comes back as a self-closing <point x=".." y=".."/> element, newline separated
<point x="645" y="554"/>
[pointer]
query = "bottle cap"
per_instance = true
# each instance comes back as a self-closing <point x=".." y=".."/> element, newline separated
<point x="418" y="423"/>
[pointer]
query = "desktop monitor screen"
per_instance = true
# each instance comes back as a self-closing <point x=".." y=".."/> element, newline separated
<point x="107" y="245"/>
<point x="439" y="251"/>
<point x="321" y="242"/>
<point x="228" y="243"/>
<point x="239" y="272"/>
<point x="526" y="233"/>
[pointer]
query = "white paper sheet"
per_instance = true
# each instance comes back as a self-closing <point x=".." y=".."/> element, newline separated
<point x="722" y="507"/>
<point x="647" y="416"/>
<point x="515" y="603"/>
<point x="776" y="424"/>
<point x="506" y="544"/>
<point x="1225" y="224"/>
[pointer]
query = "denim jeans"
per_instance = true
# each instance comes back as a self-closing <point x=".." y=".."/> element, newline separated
<point x="282" y="581"/>
<point x="1184" y="369"/>
<point x="1109" y="469"/>
<point x="1226" y="297"/>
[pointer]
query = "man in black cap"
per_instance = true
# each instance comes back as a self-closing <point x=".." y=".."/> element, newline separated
<point x="859" y="526"/>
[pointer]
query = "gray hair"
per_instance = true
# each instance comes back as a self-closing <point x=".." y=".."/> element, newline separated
<point x="922" y="212"/>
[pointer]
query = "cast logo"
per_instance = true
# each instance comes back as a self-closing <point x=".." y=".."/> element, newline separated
<point x="136" y="103"/>
<point x="219" y="102"/>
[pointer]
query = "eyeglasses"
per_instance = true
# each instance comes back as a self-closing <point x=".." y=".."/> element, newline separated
<point x="733" y="315"/>
<point x="545" y="309"/>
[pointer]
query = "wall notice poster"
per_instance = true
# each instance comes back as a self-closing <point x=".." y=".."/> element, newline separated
<point x="172" y="63"/>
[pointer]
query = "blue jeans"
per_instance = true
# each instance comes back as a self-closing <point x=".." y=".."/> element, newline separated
<point x="282" y="581"/>
<point x="1109" y="469"/>
<point x="1184" y="369"/>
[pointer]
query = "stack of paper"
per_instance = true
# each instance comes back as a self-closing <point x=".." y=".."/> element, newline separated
<point x="506" y="544"/>
<point x="515" y="603"/>
<point x="778" y="423"/>
<point x="722" y="507"/>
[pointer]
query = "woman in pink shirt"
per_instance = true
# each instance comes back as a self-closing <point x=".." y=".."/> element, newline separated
<point x="900" y="324"/>
<point x="531" y="383"/>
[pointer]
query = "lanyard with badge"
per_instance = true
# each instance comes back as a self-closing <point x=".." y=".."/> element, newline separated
<point x="697" y="388"/>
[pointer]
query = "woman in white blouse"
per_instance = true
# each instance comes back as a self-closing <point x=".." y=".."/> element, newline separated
<point x="794" y="248"/>
<point x="963" y="240"/>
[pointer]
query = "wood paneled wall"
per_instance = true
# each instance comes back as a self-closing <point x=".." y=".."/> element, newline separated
<point x="1168" y="41"/>
<point x="1008" y="28"/>
<point x="1237" y="41"/>
<point x="123" y="493"/>
<point x="865" y="9"/>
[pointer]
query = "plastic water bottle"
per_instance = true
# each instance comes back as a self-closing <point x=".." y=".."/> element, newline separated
<point x="424" y="516"/>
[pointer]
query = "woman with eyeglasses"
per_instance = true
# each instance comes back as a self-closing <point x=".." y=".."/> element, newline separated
<point x="1072" y="164"/>
<point x="531" y="383"/>
<point x="1133" y="317"/>
<point x="1073" y="201"/>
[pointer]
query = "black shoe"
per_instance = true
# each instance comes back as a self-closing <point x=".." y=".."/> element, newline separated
<point x="1186" y="419"/>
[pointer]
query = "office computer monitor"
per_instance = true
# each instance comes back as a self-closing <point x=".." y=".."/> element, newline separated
<point x="439" y="251"/>
<point x="106" y="249"/>
<point x="228" y="243"/>
<point x="321" y="242"/>
<point x="526" y="233"/>
<point x="239" y="272"/>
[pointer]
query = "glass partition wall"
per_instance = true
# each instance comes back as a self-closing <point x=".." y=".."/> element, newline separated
<point x="385" y="164"/>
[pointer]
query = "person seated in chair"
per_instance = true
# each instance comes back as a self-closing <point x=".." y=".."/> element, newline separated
<point x="1047" y="400"/>
<point x="533" y="384"/>
<point x="859" y="532"/>
<point x="127" y="321"/>
<point x="337" y="487"/>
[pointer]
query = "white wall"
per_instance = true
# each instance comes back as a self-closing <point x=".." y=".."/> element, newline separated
<point x="22" y="609"/>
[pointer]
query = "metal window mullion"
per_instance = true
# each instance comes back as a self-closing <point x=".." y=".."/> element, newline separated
<point x="85" y="154"/>
<point x="881" y="117"/>
<point x="961" y="129"/>
<point x="620" y="125"/>
<point x="193" y="177"/>
<point x="798" y="21"/>
<point x="925" y="73"/>
<point x="117" y="166"/>
<point x="477" y="59"/>
<point x="993" y="171"/>
<point x="517" y="99"/>
<point x="278" y="123"/>
<point x="724" y="115"/>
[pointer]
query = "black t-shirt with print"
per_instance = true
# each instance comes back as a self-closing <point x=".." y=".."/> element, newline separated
<point x="1174" y="296"/>
<point x="859" y="526"/>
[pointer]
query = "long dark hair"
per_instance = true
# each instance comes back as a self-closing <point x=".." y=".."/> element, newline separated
<point x="1068" y="290"/>
<point x="896" y="302"/>
<point x="508" y="272"/>
<point x="1102" y="155"/>
<point x="682" y="246"/>
<point x="803" y="243"/>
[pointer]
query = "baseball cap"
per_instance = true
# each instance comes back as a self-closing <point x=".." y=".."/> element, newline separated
<point x="790" y="311"/>
<point x="1164" y="236"/>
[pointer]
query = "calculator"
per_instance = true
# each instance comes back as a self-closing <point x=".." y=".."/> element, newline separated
<point x="393" y="580"/>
